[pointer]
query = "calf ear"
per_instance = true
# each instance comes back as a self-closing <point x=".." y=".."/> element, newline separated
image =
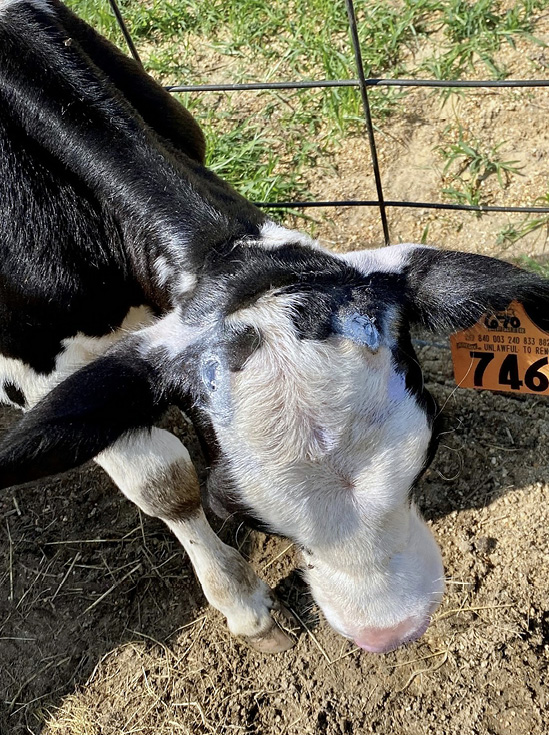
<point x="447" y="290"/>
<point x="83" y="415"/>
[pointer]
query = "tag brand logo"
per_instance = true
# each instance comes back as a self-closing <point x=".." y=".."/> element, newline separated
<point x="502" y="321"/>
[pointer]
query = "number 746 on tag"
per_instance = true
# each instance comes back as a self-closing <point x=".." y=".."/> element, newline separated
<point x="505" y="351"/>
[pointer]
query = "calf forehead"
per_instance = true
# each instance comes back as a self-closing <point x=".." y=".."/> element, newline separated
<point x="356" y="489"/>
<point x="345" y="434"/>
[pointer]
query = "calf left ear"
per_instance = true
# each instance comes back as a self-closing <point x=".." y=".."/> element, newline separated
<point x="447" y="290"/>
<point x="83" y="415"/>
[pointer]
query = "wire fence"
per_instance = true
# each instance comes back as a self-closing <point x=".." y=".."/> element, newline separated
<point x="363" y="84"/>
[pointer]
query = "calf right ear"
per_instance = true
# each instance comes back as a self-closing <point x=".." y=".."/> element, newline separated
<point x="447" y="290"/>
<point x="83" y="415"/>
<point x="450" y="290"/>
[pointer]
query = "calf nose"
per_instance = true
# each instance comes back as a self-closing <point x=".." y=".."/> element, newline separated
<point x="382" y="640"/>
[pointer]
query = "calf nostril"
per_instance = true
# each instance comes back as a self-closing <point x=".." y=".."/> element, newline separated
<point x="383" y="640"/>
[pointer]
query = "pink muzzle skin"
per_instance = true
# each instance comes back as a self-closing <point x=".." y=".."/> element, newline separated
<point x="383" y="640"/>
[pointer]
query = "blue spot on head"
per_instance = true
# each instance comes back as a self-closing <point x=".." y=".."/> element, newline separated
<point x="359" y="328"/>
<point x="216" y="377"/>
<point x="210" y="374"/>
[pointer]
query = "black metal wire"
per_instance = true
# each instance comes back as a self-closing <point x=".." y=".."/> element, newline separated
<point x="362" y="83"/>
<point x="125" y="32"/>
<point x="372" y="82"/>
<point x="404" y="204"/>
<point x="253" y="86"/>
<point x="367" y="116"/>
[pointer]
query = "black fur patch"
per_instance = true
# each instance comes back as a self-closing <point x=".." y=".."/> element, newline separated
<point x="449" y="290"/>
<point x="15" y="394"/>
<point x="242" y="345"/>
<point x="82" y="416"/>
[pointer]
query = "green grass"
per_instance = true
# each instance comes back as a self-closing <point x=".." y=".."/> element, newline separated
<point x="271" y="145"/>
<point x="515" y="231"/>
<point x="468" y="163"/>
<point x="533" y="265"/>
<point x="100" y="16"/>
<point x="475" y="31"/>
<point x="247" y="155"/>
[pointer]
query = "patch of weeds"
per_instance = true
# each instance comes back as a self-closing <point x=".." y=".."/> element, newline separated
<point x="169" y="61"/>
<point x="100" y="16"/>
<point x="532" y="265"/>
<point x="465" y="195"/>
<point x="514" y="232"/>
<point x="477" y="30"/>
<point x="468" y="163"/>
<point x="386" y="30"/>
<point x="158" y="20"/>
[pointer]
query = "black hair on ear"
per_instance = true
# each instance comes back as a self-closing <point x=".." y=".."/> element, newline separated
<point x="81" y="417"/>
<point x="449" y="290"/>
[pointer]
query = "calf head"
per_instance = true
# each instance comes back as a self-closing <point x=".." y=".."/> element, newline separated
<point x="299" y="368"/>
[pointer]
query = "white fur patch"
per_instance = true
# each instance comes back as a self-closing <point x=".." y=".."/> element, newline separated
<point x="76" y="352"/>
<point x="133" y="460"/>
<point x="273" y="236"/>
<point x="168" y="275"/>
<point x="391" y="259"/>
<point x="169" y="333"/>
<point x="324" y="444"/>
<point x="163" y="270"/>
<point x="185" y="283"/>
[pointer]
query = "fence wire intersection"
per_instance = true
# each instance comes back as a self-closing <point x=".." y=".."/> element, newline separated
<point x="363" y="83"/>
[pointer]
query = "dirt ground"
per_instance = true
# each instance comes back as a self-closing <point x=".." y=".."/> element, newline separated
<point x="411" y="146"/>
<point x="105" y="631"/>
<point x="412" y="166"/>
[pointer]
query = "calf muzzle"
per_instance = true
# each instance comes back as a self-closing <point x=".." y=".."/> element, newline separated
<point x="382" y="640"/>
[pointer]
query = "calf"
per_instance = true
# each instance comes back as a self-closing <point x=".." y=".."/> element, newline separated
<point x="132" y="278"/>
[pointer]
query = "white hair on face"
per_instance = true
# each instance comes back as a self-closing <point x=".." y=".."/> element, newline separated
<point x="281" y="393"/>
<point x="362" y="586"/>
<point x="298" y="400"/>
<point x="324" y="444"/>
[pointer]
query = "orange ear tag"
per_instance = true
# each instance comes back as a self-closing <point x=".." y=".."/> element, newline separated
<point x="504" y="351"/>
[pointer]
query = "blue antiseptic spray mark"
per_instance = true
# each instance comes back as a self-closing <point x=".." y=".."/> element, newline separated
<point x="360" y="329"/>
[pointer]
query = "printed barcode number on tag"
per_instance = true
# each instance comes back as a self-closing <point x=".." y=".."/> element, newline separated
<point x="504" y="351"/>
